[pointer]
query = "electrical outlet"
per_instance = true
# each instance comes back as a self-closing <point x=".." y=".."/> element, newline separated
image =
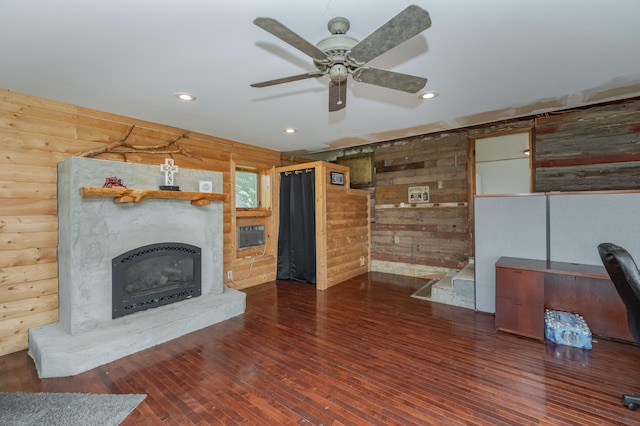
<point x="229" y="275"/>
<point x="396" y="239"/>
<point x="361" y="260"/>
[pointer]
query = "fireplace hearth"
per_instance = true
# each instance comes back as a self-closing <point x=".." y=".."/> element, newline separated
<point x="154" y="275"/>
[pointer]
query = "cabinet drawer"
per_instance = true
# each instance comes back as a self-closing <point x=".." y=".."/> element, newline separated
<point x="520" y="318"/>
<point x="523" y="286"/>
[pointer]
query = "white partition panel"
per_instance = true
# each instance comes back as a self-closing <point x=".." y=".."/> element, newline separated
<point x="579" y="222"/>
<point x="510" y="225"/>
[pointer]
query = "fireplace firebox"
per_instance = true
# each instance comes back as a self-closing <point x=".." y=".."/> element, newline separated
<point x="155" y="275"/>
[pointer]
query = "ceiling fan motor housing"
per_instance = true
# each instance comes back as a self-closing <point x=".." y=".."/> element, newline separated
<point x="336" y="47"/>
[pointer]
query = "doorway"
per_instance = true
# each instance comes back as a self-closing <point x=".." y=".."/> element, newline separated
<point x="297" y="226"/>
<point x="502" y="164"/>
<point x="499" y="164"/>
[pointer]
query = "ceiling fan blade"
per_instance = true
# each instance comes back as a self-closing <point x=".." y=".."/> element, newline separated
<point x="390" y="79"/>
<point x="337" y="96"/>
<point x="314" y="74"/>
<point x="406" y="24"/>
<point x="285" y="34"/>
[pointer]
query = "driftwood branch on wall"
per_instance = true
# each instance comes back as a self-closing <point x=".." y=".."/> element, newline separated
<point x="121" y="146"/>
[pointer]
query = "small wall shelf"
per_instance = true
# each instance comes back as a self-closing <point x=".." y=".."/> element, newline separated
<point x="420" y="206"/>
<point x="126" y="195"/>
<point x="253" y="213"/>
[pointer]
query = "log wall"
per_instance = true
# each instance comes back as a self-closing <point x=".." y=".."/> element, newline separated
<point x="36" y="134"/>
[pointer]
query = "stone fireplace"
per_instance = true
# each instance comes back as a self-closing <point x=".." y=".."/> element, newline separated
<point x="93" y="233"/>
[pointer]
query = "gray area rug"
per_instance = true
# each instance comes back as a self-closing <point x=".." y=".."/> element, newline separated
<point x="20" y="408"/>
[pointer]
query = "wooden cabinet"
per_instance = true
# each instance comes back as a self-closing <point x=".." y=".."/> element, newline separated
<point x="520" y="302"/>
<point x="526" y="287"/>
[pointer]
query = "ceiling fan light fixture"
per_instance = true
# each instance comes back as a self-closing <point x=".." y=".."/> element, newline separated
<point x="427" y="95"/>
<point x="338" y="73"/>
<point x="183" y="96"/>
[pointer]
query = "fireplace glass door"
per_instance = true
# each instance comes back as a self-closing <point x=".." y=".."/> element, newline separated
<point x="153" y="276"/>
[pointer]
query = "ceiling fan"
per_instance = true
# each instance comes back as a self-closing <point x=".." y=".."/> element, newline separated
<point x="339" y="54"/>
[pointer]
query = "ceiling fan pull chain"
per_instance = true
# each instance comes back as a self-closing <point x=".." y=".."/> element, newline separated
<point x="339" y="91"/>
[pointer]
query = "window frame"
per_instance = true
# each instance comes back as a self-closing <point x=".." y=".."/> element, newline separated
<point x="263" y="192"/>
<point x="257" y="188"/>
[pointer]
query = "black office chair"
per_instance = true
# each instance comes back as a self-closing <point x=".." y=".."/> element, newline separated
<point x="625" y="276"/>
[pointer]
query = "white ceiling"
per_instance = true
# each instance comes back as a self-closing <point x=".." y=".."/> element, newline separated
<point x="488" y="60"/>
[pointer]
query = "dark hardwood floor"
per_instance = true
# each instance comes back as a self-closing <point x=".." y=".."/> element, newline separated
<point x="362" y="352"/>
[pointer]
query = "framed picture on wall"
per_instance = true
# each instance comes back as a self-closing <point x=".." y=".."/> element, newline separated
<point x="418" y="194"/>
<point x="361" y="168"/>
<point x="337" y="178"/>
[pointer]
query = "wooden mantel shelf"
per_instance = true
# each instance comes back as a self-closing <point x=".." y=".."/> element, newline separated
<point x="126" y="195"/>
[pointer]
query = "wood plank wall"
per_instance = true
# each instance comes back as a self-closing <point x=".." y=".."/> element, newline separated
<point x="36" y="134"/>
<point x="590" y="149"/>
<point x="586" y="149"/>
<point x="347" y="228"/>
<point x="435" y="234"/>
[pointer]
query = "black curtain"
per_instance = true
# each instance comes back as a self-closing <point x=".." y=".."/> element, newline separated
<point x="297" y="230"/>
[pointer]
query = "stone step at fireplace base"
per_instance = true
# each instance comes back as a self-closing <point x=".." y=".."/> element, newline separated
<point x="58" y="354"/>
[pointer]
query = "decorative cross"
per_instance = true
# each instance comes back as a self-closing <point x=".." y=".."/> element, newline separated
<point x="169" y="169"/>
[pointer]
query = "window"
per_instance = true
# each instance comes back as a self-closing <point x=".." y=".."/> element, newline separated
<point x="247" y="189"/>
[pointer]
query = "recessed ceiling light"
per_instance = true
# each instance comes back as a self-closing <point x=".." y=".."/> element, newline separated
<point x="427" y="95"/>
<point x="290" y="130"/>
<point x="187" y="97"/>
